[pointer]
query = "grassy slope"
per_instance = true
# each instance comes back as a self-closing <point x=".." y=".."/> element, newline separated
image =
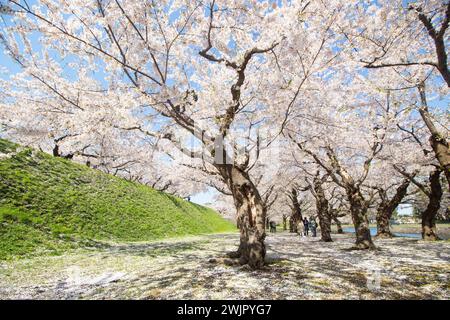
<point x="51" y="204"/>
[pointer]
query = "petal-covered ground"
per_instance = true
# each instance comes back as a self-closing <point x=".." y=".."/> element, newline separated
<point x="299" y="268"/>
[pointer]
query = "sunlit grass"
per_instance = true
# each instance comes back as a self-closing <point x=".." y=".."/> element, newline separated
<point x="51" y="204"/>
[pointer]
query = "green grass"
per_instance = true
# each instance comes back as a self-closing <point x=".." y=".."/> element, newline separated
<point x="50" y="204"/>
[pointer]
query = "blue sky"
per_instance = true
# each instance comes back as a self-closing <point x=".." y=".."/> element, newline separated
<point x="5" y="61"/>
<point x="204" y="197"/>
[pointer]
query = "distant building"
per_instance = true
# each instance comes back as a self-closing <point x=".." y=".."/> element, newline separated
<point x="405" y="210"/>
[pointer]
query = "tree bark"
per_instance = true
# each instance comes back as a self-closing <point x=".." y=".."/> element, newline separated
<point x="383" y="230"/>
<point x="291" y="225"/>
<point x="387" y="207"/>
<point x="284" y="222"/>
<point x="434" y="203"/>
<point x="294" y="224"/>
<point x="441" y="149"/>
<point x="322" y="211"/>
<point x="358" y="210"/>
<point x="56" y="151"/>
<point x="250" y="214"/>
<point x="296" y="211"/>
<point x="438" y="142"/>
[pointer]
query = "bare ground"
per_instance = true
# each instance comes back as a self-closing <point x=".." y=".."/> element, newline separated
<point x="299" y="268"/>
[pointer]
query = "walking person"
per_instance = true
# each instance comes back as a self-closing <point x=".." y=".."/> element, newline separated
<point x="305" y="226"/>
<point x="313" y="227"/>
<point x="273" y="226"/>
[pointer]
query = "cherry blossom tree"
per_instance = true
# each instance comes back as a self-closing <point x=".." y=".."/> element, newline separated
<point x="346" y="155"/>
<point x="387" y="205"/>
<point x="408" y="154"/>
<point x="423" y="172"/>
<point x="406" y="42"/>
<point x="185" y="95"/>
<point x="173" y="61"/>
<point x="194" y="70"/>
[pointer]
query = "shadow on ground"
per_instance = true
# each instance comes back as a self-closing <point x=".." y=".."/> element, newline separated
<point x="298" y="268"/>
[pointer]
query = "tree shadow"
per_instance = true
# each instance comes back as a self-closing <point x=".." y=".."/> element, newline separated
<point x="296" y="268"/>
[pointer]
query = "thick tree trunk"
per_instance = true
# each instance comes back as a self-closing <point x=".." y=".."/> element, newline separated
<point x="284" y="223"/>
<point x="56" y="151"/>
<point x="296" y="211"/>
<point x="358" y="211"/>
<point x="383" y="230"/>
<point x="438" y="142"/>
<point x="434" y="203"/>
<point x="442" y="151"/>
<point x="294" y="225"/>
<point x="251" y="216"/>
<point x="325" y="226"/>
<point x="322" y="211"/>
<point x="387" y="208"/>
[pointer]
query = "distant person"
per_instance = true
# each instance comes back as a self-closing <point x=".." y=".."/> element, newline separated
<point x="305" y="227"/>
<point x="273" y="226"/>
<point x="189" y="198"/>
<point x="313" y="227"/>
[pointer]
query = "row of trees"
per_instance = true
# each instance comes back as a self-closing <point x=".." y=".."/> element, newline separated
<point x="265" y="101"/>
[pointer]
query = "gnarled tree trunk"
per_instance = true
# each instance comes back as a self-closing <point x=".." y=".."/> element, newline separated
<point x="291" y="225"/>
<point x="358" y="209"/>
<point x="296" y="211"/>
<point x="441" y="149"/>
<point x="434" y="203"/>
<point x="383" y="230"/>
<point x="250" y="214"/>
<point x="387" y="207"/>
<point x="56" y="151"/>
<point x="322" y="211"/>
<point x="438" y="141"/>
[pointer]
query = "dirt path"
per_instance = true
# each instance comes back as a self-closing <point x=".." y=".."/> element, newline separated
<point x="300" y="268"/>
